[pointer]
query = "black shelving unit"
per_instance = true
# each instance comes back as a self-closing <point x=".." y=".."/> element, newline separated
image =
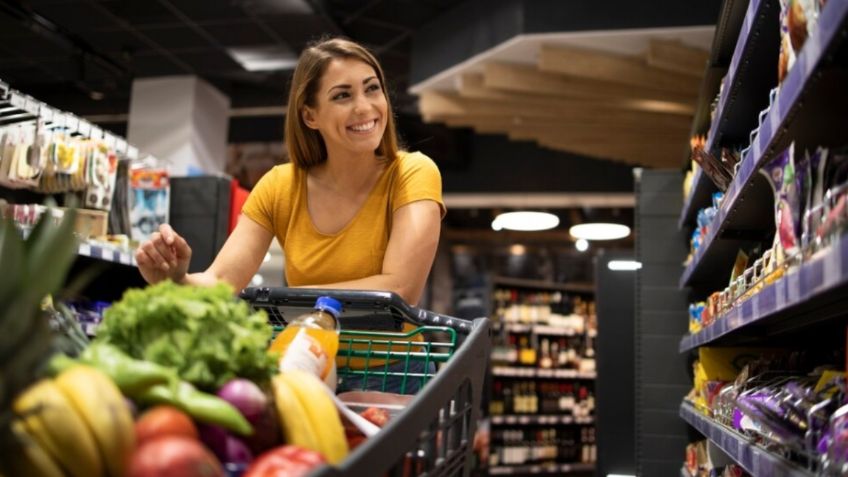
<point x="507" y="373"/>
<point x="753" y="459"/>
<point x="807" y="108"/>
<point x="796" y="114"/>
<point x="542" y="469"/>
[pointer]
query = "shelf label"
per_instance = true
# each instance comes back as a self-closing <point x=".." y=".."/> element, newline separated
<point x="132" y="152"/>
<point x="18" y="101"/>
<point x="85" y="249"/>
<point x="84" y="128"/>
<point x="109" y="140"/>
<point x="96" y="133"/>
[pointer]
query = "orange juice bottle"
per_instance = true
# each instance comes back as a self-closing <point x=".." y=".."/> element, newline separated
<point x="310" y="341"/>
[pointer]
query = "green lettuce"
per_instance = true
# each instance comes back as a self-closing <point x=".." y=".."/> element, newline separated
<point x="204" y="333"/>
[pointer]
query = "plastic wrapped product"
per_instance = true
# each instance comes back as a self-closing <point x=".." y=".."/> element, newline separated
<point x="781" y="174"/>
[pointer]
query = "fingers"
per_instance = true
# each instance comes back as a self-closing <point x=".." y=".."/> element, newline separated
<point x="181" y="248"/>
<point x="167" y="233"/>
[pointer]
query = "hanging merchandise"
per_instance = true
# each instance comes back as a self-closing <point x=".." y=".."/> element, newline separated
<point x="149" y="196"/>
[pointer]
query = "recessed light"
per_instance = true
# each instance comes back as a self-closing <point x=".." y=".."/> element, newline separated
<point x="581" y="245"/>
<point x="525" y="221"/>
<point x="264" y="58"/>
<point x="599" y="231"/>
<point x="624" y="265"/>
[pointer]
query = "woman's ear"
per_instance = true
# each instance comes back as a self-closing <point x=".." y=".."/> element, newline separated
<point x="309" y="117"/>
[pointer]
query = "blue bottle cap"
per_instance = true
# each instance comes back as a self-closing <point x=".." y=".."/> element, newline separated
<point x="330" y="305"/>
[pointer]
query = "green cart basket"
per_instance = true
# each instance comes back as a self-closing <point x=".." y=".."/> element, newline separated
<point x="442" y="361"/>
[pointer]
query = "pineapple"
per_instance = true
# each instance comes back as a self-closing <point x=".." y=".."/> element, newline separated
<point x="30" y="269"/>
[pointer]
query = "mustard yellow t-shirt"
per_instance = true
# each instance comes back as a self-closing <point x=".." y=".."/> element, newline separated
<point x="278" y="203"/>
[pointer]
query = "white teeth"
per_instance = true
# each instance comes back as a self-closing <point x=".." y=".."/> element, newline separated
<point x="365" y="127"/>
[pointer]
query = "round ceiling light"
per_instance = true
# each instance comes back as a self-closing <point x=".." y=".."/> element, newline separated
<point x="599" y="231"/>
<point x="525" y="221"/>
<point x="581" y="245"/>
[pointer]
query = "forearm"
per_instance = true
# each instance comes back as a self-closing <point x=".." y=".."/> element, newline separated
<point x="207" y="278"/>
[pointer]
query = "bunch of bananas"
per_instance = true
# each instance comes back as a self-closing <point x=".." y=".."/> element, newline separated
<point x="308" y="416"/>
<point x="77" y="424"/>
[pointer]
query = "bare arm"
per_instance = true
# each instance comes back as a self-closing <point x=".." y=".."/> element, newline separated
<point x="167" y="255"/>
<point x="409" y="255"/>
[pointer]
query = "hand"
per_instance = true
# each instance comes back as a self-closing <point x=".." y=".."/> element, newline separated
<point x="165" y="255"/>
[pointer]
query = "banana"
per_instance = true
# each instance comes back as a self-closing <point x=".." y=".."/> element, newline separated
<point x="54" y="423"/>
<point x="322" y="413"/>
<point x="101" y="405"/>
<point x="296" y="425"/>
<point x="29" y="458"/>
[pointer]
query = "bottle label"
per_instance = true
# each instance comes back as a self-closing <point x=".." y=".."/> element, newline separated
<point x="306" y="354"/>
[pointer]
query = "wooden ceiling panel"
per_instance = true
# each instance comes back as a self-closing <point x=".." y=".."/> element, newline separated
<point x="473" y="86"/>
<point x="673" y="55"/>
<point x="600" y="66"/>
<point x="526" y="79"/>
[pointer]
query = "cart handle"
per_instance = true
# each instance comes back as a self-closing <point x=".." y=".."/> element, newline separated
<point x="354" y="300"/>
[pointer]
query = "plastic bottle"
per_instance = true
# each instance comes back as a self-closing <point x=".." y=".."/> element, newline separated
<point x="310" y="342"/>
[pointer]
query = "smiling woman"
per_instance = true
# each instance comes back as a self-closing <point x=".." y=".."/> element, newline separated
<point x="350" y="211"/>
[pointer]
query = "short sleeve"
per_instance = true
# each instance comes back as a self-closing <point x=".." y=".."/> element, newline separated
<point x="262" y="204"/>
<point x="418" y="179"/>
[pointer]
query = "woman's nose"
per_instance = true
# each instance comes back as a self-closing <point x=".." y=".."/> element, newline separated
<point x="361" y="104"/>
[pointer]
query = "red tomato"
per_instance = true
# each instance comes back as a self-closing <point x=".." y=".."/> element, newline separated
<point x="174" y="456"/>
<point x="285" y="461"/>
<point x="378" y="416"/>
<point x="164" y="421"/>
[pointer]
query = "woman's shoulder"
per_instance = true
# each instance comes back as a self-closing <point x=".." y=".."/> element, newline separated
<point x="412" y="161"/>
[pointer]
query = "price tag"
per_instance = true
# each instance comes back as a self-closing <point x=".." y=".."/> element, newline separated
<point x="46" y="113"/>
<point x="109" y="140"/>
<point x="31" y="106"/>
<point x="132" y="152"/>
<point x="18" y="101"/>
<point x="84" y="128"/>
<point x="96" y="133"/>
<point x="72" y="123"/>
<point x="85" y="249"/>
<point x="120" y="145"/>
<point x="58" y="119"/>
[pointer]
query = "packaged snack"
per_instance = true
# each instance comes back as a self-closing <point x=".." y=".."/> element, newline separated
<point x="781" y="174"/>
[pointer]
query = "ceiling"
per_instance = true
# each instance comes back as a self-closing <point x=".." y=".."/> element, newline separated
<point x="82" y="56"/>
<point x="626" y="95"/>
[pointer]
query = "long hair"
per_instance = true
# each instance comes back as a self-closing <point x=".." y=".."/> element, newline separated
<point x="305" y="146"/>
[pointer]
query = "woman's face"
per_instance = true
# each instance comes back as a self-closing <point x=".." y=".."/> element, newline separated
<point x="350" y="111"/>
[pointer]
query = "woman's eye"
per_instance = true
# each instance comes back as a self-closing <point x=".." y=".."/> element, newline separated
<point x="342" y="95"/>
<point x="373" y="87"/>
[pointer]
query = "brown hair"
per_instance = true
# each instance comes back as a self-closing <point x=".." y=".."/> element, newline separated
<point x="305" y="146"/>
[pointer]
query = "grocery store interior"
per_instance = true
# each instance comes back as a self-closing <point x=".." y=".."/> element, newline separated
<point x="640" y="270"/>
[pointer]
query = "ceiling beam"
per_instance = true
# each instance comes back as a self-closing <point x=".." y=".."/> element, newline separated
<point x="434" y="104"/>
<point x="528" y="79"/>
<point x="588" y="64"/>
<point x="613" y="124"/>
<point x="673" y="55"/>
<point x="473" y="85"/>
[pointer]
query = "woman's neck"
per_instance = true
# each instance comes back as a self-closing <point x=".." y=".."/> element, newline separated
<point x="348" y="173"/>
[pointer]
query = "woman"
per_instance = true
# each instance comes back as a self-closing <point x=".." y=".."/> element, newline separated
<point x="351" y="211"/>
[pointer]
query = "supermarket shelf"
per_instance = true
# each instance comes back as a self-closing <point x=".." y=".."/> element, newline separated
<point x="544" y="285"/>
<point x="538" y="419"/>
<point x="555" y="469"/>
<point x="825" y="274"/>
<point x="750" y="76"/>
<point x="107" y="254"/>
<point x="541" y="329"/>
<point x="711" y="265"/>
<point x="753" y="459"/>
<point x="700" y="196"/>
<point x="515" y="372"/>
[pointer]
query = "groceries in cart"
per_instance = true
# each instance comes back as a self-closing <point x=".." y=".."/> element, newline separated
<point x="188" y="381"/>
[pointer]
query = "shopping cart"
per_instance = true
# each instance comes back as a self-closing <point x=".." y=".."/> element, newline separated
<point x="433" y="435"/>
